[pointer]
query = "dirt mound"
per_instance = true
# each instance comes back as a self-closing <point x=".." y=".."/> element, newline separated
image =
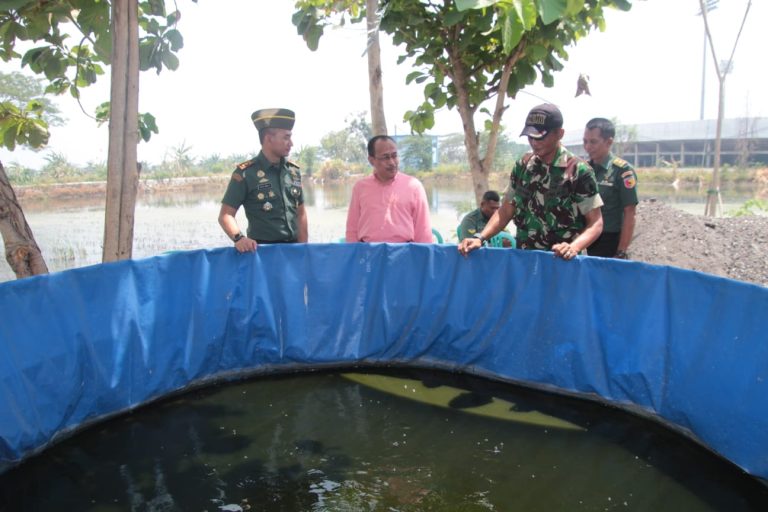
<point x="734" y="247"/>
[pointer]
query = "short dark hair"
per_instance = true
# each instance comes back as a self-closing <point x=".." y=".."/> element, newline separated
<point x="491" y="195"/>
<point x="264" y="132"/>
<point x="607" y="130"/>
<point x="374" y="140"/>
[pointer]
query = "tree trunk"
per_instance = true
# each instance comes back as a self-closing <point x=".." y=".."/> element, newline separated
<point x="122" y="168"/>
<point x="713" y="194"/>
<point x="21" y="250"/>
<point x="375" y="86"/>
<point x="471" y="138"/>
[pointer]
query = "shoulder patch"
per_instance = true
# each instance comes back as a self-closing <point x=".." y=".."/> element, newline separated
<point x="620" y="162"/>
<point x="246" y="164"/>
<point x="237" y="176"/>
<point x="291" y="163"/>
<point x="627" y="173"/>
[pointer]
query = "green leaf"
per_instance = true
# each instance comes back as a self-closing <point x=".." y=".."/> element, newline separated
<point x="413" y="75"/>
<point x="154" y="7"/>
<point x="537" y="52"/>
<point x="37" y="134"/>
<point x="452" y="18"/>
<point x="175" y="39"/>
<point x="147" y="126"/>
<point x="170" y="60"/>
<point x="574" y="7"/>
<point x="624" y="5"/>
<point x="312" y="37"/>
<point x="102" y="112"/>
<point x="9" y="136"/>
<point x="526" y="12"/>
<point x="464" y="5"/>
<point x="512" y="31"/>
<point x="552" y="10"/>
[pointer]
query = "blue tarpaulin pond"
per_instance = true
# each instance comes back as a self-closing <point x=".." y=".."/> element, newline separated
<point x="688" y="349"/>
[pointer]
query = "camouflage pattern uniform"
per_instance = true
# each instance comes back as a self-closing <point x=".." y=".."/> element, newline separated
<point x="551" y="200"/>
<point x="270" y="194"/>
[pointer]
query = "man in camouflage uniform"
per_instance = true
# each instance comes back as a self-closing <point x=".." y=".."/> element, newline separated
<point x="617" y="183"/>
<point x="268" y="187"/>
<point x="552" y="195"/>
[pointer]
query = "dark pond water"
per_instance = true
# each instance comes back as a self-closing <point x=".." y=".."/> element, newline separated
<point x="404" y="441"/>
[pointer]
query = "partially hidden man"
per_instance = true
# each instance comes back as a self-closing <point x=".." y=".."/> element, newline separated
<point x="268" y="187"/>
<point x="552" y="195"/>
<point x="617" y="181"/>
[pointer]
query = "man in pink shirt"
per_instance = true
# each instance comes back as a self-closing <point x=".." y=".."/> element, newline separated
<point x="388" y="206"/>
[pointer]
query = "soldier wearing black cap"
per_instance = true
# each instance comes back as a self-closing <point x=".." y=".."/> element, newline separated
<point x="268" y="187"/>
<point x="552" y="195"/>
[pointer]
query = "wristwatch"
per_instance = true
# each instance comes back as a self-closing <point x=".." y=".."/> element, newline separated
<point x="238" y="237"/>
<point x="479" y="237"/>
<point x="622" y="255"/>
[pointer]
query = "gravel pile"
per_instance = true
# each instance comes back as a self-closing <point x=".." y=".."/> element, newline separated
<point x="735" y="247"/>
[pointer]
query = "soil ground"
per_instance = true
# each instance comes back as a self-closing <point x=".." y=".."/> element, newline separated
<point x="733" y="247"/>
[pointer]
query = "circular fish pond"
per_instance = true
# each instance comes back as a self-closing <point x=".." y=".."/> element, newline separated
<point x="401" y="440"/>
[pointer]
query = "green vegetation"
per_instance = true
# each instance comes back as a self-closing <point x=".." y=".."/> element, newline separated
<point x="751" y="207"/>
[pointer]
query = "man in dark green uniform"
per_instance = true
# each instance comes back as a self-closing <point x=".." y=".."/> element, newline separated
<point x="618" y="188"/>
<point x="475" y="221"/>
<point x="268" y="187"/>
<point x="552" y="195"/>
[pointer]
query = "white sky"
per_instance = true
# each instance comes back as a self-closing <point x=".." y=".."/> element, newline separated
<point x="241" y="55"/>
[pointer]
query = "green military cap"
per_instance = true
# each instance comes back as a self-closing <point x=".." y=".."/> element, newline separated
<point x="273" y="118"/>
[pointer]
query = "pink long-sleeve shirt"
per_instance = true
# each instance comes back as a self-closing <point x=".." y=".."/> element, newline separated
<point x="396" y="211"/>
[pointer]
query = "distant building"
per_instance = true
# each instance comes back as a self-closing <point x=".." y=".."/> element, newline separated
<point x="744" y="141"/>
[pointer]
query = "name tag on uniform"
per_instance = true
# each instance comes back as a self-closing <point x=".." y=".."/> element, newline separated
<point x="297" y="183"/>
<point x="263" y="186"/>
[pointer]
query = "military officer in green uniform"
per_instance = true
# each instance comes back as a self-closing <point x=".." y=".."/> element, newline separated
<point x="475" y="221"/>
<point x="268" y="187"/>
<point x="617" y="182"/>
<point x="551" y="196"/>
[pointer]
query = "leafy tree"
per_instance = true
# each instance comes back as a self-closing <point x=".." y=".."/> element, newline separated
<point x="350" y="144"/>
<point x="68" y="42"/>
<point x="451" y="149"/>
<point x="469" y="51"/>
<point x="178" y="161"/>
<point x="306" y="157"/>
<point x="415" y="152"/>
<point x="58" y="167"/>
<point x="130" y="35"/>
<point x="19" y="90"/>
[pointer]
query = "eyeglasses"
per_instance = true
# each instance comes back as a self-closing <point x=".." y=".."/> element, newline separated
<point x="385" y="157"/>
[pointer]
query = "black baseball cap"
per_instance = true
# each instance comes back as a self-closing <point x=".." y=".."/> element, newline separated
<point x="541" y="120"/>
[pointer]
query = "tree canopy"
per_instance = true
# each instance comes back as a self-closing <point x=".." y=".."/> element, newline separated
<point x="466" y="52"/>
<point x="68" y="43"/>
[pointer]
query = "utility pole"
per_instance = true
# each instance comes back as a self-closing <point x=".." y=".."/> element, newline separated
<point x="709" y="5"/>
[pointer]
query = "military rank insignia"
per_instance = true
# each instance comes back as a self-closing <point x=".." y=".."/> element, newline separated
<point x="267" y="206"/>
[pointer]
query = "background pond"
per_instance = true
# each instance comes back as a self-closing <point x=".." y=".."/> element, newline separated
<point x="70" y="233"/>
